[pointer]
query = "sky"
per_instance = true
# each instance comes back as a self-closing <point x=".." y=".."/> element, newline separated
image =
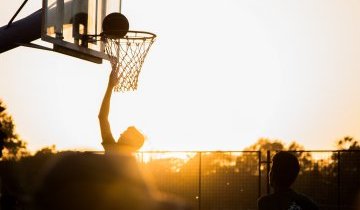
<point x="220" y="75"/>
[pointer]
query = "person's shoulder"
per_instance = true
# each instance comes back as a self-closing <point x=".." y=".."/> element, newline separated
<point x="261" y="202"/>
<point x="302" y="196"/>
<point x="264" y="201"/>
<point x="305" y="201"/>
<point x="111" y="148"/>
<point x="263" y="198"/>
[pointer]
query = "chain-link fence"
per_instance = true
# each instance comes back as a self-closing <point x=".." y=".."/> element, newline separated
<point x="236" y="179"/>
<point x="207" y="180"/>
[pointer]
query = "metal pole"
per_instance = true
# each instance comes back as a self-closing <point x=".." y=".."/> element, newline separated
<point x="16" y="13"/>
<point x="338" y="182"/>
<point x="25" y="30"/>
<point x="142" y="158"/>
<point x="96" y="16"/>
<point x="268" y="161"/>
<point x="199" y="190"/>
<point x="60" y="20"/>
<point x="259" y="185"/>
<point x="120" y="6"/>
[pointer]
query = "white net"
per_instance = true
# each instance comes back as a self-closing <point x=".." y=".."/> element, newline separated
<point x="127" y="55"/>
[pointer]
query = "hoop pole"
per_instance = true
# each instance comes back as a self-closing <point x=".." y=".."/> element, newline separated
<point x="25" y="30"/>
<point x="17" y="12"/>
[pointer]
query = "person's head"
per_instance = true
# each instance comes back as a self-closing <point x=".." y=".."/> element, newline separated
<point x="131" y="139"/>
<point x="285" y="168"/>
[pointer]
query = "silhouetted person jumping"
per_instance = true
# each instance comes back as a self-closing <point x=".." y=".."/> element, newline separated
<point x="86" y="181"/>
<point x="129" y="141"/>
<point x="284" y="171"/>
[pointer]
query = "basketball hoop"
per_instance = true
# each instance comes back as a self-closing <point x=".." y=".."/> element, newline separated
<point x="127" y="55"/>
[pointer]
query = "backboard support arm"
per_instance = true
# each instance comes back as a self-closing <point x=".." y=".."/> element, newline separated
<point x="36" y="46"/>
<point x="16" y="13"/>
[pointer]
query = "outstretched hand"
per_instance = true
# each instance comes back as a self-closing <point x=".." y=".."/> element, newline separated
<point x="113" y="78"/>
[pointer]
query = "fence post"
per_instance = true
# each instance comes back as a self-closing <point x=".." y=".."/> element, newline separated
<point x="199" y="190"/>
<point x="268" y="161"/>
<point x="338" y="182"/>
<point x="259" y="180"/>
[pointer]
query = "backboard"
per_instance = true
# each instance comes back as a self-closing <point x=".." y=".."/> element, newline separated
<point x="65" y="22"/>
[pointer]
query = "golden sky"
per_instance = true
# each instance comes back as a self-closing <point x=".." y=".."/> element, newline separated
<point x="221" y="75"/>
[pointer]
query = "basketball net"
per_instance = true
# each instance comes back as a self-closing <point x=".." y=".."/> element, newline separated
<point x="127" y="55"/>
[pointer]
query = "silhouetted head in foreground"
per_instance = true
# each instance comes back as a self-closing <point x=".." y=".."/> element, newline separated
<point x="285" y="168"/>
<point x="83" y="181"/>
<point x="283" y="173"/>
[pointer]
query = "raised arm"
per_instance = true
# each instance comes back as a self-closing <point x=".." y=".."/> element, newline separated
<point x="107" y="137"/>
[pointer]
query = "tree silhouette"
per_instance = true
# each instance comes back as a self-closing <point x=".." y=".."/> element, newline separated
<point x="264" y="144"/>
<point x="348" y="143"/>
<point x="12" y="147"/>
